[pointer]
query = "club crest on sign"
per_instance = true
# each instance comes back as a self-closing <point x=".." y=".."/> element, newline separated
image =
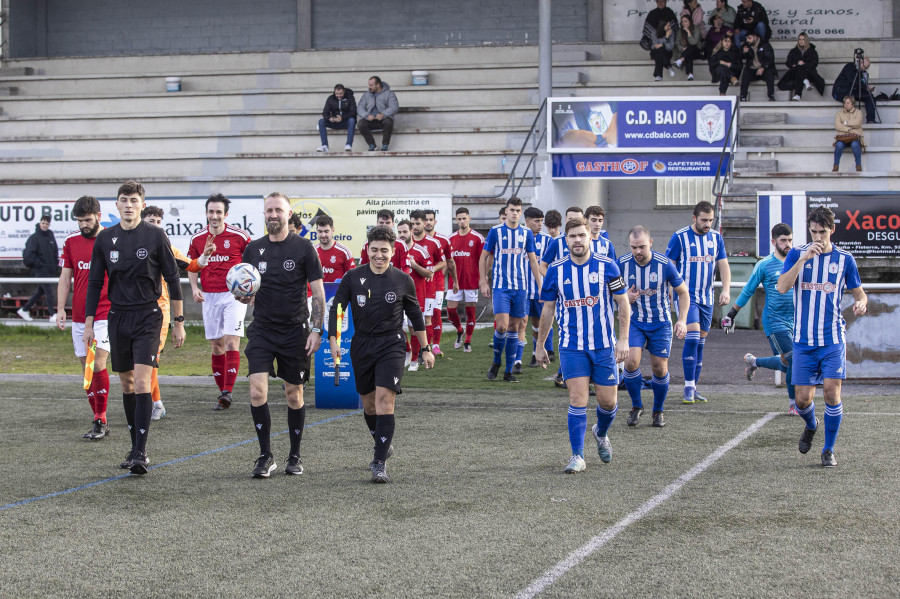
<point x="261" y="267"/>
<point x="361" y="300"/>
<point x="710" y="123"/>
<point x="114" y="256"/>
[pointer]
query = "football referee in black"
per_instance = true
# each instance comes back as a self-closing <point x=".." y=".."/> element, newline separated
<point x="280" y="332"/>
<point x="135" y="257"/>
<point x="378" y="294"/>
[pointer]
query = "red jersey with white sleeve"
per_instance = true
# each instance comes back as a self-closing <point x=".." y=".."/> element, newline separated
<point x="230" y="245"/>
<point x="399" y="259"/>
<point x="422" y="256"/>
<point x="76" y="254"/>
<point x="444" y="242"/>
<point x="437" y="255"/>
<point x="336" y="261"/>
<point x="466" y="251"/>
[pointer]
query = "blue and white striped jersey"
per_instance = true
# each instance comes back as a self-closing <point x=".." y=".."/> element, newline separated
<point x="510" y="248"/>
<point x="603" y="246"/>
<point x="695" y="258"/>
<point x="540" y="242"/>
<point x="558" y="247"/>
<point x="584" y="306"/>
<point x="817" y="295"/>
<point x="652" y="282"/>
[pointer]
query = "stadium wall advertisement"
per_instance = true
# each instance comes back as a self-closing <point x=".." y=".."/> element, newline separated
<point x="185" y="215"/>
<point x="328" y="395"/>
<point x="625" y="137"/>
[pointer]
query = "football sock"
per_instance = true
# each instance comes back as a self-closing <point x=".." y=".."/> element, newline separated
<point x="296" y="420"/>
<point x="436" y="326"/>
<point x="415" y="346"/>
<point x="371" y="419"/>
<point x="154" y="386"/>
<point x="660" y="391"/>
<point x="689" y="356"/>
<point x="577" y="427"/>
<point x="128" y="402"/>
<point x="700" y="345"/>
<point x="218" y="370"/>
<point x="605" y="419"/>
<point x="520" y="349"/>
<point x="263" y="423"/>
<point x="512" y="346"/>
<point x="534" y="338"/>
<point x="809" y="415"/>
<point x="633" y="384"/>
<point x="101" y="393"/>
<point x="384" y="433"/>
<point x="90" y="396"/>
<point x="453" y="315"/>
<point x="470" y="323"/>
<point x="499" y="344"/>
<point x="143" y="407"/>
<point x="773" y="363"/>
<point x="232" y="367"/>
<point x="833" y="417"/>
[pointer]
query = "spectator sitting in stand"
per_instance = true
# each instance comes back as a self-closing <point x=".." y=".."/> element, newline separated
<point x="715" y="34"/>
<point x="41" y="255"/>
<point x="801" y="63"/>
<point x="688" y="46"/>
<point x="751" y="17"/>
<point x="662" y="42"/>
<point x="339" y="113"/>
<point x="692" y="9"/>
<point x="375" y="111"/>
<point x="655" y="19"/>
<point x="726" y="12"/>
<point x="725" y="65"/>
<point x="847" y="124"/>
<point x="854" y="81"/>
<point x="759" y="63"/>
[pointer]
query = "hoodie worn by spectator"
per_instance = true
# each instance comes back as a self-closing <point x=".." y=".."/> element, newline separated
<point x="343" y="107"/>
<point x="380" y="100"/>
<point x="41" y="255"/>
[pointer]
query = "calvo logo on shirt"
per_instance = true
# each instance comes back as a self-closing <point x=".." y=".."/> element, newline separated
<point x="289" y="265"/>
<point x="141" y="253"/>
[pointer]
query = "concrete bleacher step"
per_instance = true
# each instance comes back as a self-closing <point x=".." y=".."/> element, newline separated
<point x="9" y="91"/>
<point x="811" y="135"/>
<point x="760" y="140"/>
<point x="6" y="72"/>
<point x="758" y="165"/>
<point x="763" y="118"/>
<point x="846" y="180"/>
<point x="803" y="159"/>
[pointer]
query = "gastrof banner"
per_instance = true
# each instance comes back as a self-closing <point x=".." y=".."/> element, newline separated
<point x="622" y="137"/>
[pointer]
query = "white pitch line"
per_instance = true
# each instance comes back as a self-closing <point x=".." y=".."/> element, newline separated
<point x="579" y="555"/>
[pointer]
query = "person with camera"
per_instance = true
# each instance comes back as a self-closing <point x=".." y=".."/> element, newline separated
<point x="848" y="125"/>
<point x="854" y="81"/>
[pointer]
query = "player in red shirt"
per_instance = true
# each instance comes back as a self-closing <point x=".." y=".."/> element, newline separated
<point x="336" y="259"/>
<point x="421" y="265"/>
<point x="438" y="262"/>
<point x="385" y="217"/>
<point x="440" y="287"/>
<point x="223" y="315"/>
<point x="76" y="260"/>
<point x="465" y="247"/>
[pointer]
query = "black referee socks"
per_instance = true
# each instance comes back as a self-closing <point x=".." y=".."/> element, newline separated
<point x="128" y="402"/>
<point x="296" y="420"/>
<point x="263" y="424"/>
<point x="384" y="433"/>
<point x="371" y="419"/>
<point x="143" y="408"/>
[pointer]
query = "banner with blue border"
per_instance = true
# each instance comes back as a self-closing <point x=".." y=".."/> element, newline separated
<point x="637" y="166"/>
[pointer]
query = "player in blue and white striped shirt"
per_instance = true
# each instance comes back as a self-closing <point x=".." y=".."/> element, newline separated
<point x="696" y="252"/>
<point x="534" y="220"/>
<point x="579" y="290"/>
<point x="818" y="273"/>
<point x="600" y="243"/>
<point x="510" y="247"/>
<point x="648" y="274"/>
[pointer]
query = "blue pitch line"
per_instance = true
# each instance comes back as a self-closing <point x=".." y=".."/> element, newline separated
<point x="164" y="464"/>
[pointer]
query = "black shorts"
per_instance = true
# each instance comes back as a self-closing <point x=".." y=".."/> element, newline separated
<point x="378" y="361"/>
<point x="285" y="360"/>
<point x="134" y="337"/>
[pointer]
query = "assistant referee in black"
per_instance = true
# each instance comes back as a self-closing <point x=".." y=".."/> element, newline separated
<point x="135" y="256"/>
<point x="378" y="294"/>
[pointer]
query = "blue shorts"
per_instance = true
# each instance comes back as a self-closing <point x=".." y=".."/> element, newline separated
<point x="535" y="307"/>
<point x="702" y="314"/>
<point x="597" y="364"/>
<point x="655" y="336"/>
<point x="509" y="301"/>
<point x="811" y="365"/>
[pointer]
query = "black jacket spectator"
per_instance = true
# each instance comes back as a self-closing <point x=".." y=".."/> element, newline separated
<point x="762" y="56"/>
<point x="793" y="79"/>
<point x="721" y="73"/>
<point x="345" y="107"/>
<point x="749" y="18"/>
<point x="41" y="253"/>
<point x="854" y="81"/>
<point x="654" y="21"/>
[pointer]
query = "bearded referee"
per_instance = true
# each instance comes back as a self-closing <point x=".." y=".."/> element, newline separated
<point x="378" y="294"/>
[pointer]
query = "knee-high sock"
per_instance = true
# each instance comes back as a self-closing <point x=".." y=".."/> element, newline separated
<point x="90" y="397"/>
<point x="436" y="326"/>
<point x="128" y="401"/>
<point x="100" y="385"/>
<point x="700" y="345"/>
<point x="534" y="338"/>
<point x="833" y="417"/>
<point x="470" y="323"/>
<point x="415" y="346"/>
<point x="143" y="407"/>
<point x="296" y="420"/>
<point x="577" y="428"/>
<point x="773" y="363"/>
<point x="453" y="315"/>
<point x="154" y="386"/>
<point x="605" y="419"/>
<point x="512" y="346"/>
<point x="809" y="415"/>
<point x="520" y="349"/>
<point x="499" y="345"/>
<point x="633" y="384"/>
<point x="232" y="367"/>
<point x="263" y="423"/>
<point x="660" y="388"/>
<point x="371" y="420"/>
<point x="218" y="370"/>
<point x="689" y="357"/>
<point x="384" y="433"/>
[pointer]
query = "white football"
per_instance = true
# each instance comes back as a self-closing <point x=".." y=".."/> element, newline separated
<point x="243" y="280"/>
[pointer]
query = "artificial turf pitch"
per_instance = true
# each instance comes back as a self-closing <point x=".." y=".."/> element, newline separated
<point x="478" y="507"/>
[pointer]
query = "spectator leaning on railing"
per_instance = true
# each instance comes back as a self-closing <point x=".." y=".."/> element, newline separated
<point x="41" y="255"/>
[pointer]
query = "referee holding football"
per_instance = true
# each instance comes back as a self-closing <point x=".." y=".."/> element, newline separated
<point x="135" y="256"/>
<point x="378" y="294"/>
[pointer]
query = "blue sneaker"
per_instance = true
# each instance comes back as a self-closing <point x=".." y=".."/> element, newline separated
<point x="688" y="395"/>
<point x="604" y="447"/>
<point x="699" y="398"/>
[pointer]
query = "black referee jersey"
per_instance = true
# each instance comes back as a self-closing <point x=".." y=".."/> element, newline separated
<point x="377" y="302"/>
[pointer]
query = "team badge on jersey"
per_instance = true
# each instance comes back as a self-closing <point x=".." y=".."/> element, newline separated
<point x="114" y="256"/>
<point x="227" y="244"/>
<point x="471" y="243"/>
<point x="833" y="268"/>
<point x="261" y="267"/>
<point x="361" y="300"/>
<point x="654" y="277"/>
<point x="710" y="243"/>
<point x="390" y="297"/>
<point x="594" y="277"/>
<point x="289" y="265"/>
<point x="142" y="253"/>
<point x="333" y="259"/>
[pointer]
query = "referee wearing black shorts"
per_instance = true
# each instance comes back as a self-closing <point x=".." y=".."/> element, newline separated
<point x="280" y="334"/>
<point x="135" y="256"/>
<point x="378" y="294"/>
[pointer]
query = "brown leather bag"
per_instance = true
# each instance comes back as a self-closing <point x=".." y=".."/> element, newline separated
<point x="847" y="138"/>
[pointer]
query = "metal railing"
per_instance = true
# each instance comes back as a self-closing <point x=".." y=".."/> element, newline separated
<point x="720" y="182"/>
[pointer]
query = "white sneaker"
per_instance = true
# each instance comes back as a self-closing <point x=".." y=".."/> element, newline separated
<point x="657" y="78"/>
<point x="24" y="315"/>
<point x="671" y="72"/>
<point x="347" y="148"/>
<point x="807" y="84"/>
<point x="159" y="410"/>
<point x="795" y="99"/>
<point x="322" y="149"/>
<point x="576" y="465"/>
<point x="407" y="360"/>
<point x="53" y="318"/>
<point x="413" y="365"/>
<point x="679" y="62"/>
<point x="690" y="77"/>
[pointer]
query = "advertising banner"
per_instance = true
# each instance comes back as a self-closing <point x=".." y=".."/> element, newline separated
<point x="327" y="395"/>
<point x="779" y="207"/>
<point x="636" y="166"/>
<point x="866" y="224"/>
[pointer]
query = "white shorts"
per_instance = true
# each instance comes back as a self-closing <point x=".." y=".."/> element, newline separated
<point x="438" y="300"/>
<point x="101" y="334"/>
<point x="429" y="307"/>
<point x="223" y="315"/>
<point x="470" y="296"/>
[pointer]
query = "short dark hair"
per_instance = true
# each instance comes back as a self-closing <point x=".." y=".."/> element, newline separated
<point x="574" y="209"/>
<point x="338" y="86"/>
<point x="323" y="220"/>
<point x="417" y="215"/>
<point x="130" y="188"/>
<point x="382" y="233"/>
<point x="575" y="222"/>
<point x="462" y="210"/>
<point x="532" y="212"/>
<point x="502" y="211"/>
<point x="781" y="229"/>
<point x="404" y="222"/>
<point x="295" y="220"/>
<point x="822" y="216"/>
<point x="152" y="211"/>
<point x="218" y="197"/>
<point x="376" y="78"/>
<point x="703" y="207"/>
<point x="552" y="219"/>
<point x="428" y="211"/>
<point x="385" y="213"/>
<point x="513" y="201"/>
<point x="594" y="211"/>
<point x="46" y="217"/>
<point x="85" y="205"/>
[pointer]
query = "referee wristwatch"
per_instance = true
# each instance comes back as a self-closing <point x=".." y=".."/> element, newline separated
<point x="427" y="348"/>
<point x="178" y="318"/>
<point x="316" y="330"/>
